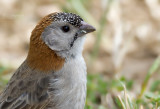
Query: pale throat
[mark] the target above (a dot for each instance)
(74, 51)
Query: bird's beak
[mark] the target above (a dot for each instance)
(85, 28)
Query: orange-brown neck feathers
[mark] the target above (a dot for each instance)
(40, 56)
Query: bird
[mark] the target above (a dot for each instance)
(54, 73)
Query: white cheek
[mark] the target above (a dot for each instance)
(56, 40)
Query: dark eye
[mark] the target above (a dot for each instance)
(65, 28)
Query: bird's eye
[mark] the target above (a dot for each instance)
(65, 28)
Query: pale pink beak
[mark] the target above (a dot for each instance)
(86, 28)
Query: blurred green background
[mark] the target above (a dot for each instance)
(122, 56)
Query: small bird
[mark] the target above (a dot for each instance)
(53, 76)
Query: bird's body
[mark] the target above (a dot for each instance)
(53, 76)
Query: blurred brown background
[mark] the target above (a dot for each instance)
(126, 43)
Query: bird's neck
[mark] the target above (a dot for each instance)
(41, 57)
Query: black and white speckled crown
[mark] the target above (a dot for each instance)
(71, 18)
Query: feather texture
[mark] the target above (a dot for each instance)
(53, 76)
(27, 86)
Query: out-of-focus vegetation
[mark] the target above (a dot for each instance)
(122, 56)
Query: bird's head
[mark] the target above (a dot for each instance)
(57, 36)
(63, 33)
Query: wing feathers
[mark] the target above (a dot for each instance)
(31, 89)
